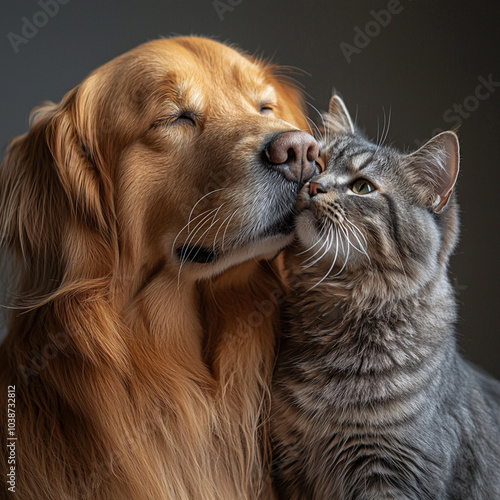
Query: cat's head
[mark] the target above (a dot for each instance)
(374, 209)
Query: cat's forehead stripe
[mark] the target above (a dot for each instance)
(347, 161)
(338, 152)
(361, 161)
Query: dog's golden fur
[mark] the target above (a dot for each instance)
(136, 379)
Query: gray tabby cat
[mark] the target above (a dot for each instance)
(371, 399)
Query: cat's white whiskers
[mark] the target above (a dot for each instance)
(343, 266)
(385, 131)
(317, 251)
(328, 244)
(381, 138)
(333, 262)
(319, 136)
(388, 125)
(362, 248)
(318, 241)
(357, 235)
(319, 113)
(345, 233)
(328, 131)
(356, 228)
(378, 131)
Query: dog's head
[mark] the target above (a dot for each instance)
(182, 153)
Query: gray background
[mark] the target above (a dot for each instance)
(424, 62)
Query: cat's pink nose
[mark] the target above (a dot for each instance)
(315, 188)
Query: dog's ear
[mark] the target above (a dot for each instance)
(77, 162)
(55, 204)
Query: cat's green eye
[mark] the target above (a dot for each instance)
(362, 187)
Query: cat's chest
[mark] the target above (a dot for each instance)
(364, 463)
(357, 370)
(332, 342)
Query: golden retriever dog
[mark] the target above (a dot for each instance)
(140, 218)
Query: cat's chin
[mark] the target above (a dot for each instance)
(307, 230)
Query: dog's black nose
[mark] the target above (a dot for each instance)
(293, 154)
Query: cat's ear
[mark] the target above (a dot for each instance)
(338, 119)
(434, 169)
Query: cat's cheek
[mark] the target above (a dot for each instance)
(306, 229)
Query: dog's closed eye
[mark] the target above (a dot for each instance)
(266, 108)
(185, 118)
(182, 118)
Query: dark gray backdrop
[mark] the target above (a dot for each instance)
(423, 66)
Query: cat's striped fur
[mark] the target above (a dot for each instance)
(371, 399)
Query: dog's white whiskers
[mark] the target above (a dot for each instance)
(186, 226)
(199, 201)
(192, 235)
(214, 246)
(227, 227)
(201, 238)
